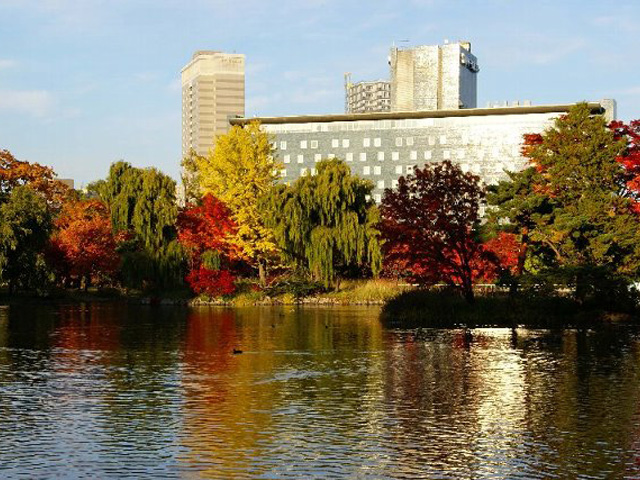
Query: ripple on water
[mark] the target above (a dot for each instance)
(155, 393)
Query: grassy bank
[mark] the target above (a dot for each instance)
(350, 292)
(429, 308)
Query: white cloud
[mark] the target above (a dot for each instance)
(37, 103)
(6, 63)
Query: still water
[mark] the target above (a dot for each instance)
(117, 391)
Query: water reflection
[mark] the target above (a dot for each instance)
(112, 391)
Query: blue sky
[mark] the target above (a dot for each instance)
(84, 83)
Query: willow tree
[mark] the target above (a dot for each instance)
(326, 222)
(239, 171)
(25, 225)
(143, 205)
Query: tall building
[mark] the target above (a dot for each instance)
(212, 91)
(363, 97)
(433, 77)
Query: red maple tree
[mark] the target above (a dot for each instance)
(83, 247)
(429, 224)
(630, 160)
(205, 229)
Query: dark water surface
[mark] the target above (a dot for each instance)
(113, 391)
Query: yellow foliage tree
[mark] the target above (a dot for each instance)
(239, 171)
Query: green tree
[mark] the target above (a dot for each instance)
(142, 203)
(325, 222)
(239, 171)
(567, 204)
(25, 226)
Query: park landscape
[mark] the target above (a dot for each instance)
(559, 239)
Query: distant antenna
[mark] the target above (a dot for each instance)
(347, 87)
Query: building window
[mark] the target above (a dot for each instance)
(395, 156)
(410, 169)
(413, 155)
(283, 145)
(399, 169)
(303, 172)
(377, 170)
(377, 142)
(300, 158)
(446, 154)
(314, 143)
(432, 140)
(350, 157)
(460, 153)
(287, 158)
(303, 144)
(317, 157)
(313, 171)
(331, 155)
(366, 142)
(427, 155)
(381, 184)
(283, 172)
(394, 183)
(345, 143)
(335, 143)
(363, 156)
(409, 141)
(366, 170)
(380, 156)
(443, 139)
(398, 141)
(377, 197)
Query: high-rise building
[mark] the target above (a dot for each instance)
(363, 97)
(433, 77)
(212, 91)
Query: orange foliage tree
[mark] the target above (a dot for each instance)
(15, 173)
(83, 249)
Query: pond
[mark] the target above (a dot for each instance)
(122, 391)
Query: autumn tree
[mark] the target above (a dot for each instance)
(629, 159)
(205, 232)
(568, 205)
(239, 171)
(430, 225)
(25, 225)
(41, 179)
(83, 247)
(326, 223)
(142, 203)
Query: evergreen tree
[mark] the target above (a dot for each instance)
(568, 204)
(325, 222)
(239, 171)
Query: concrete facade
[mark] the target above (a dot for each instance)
(382, 147)
(212, 91)
(363, 97)
(433, 77)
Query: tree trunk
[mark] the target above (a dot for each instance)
(522, 255)
(262, 273)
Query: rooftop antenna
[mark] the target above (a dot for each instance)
(347, 86)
